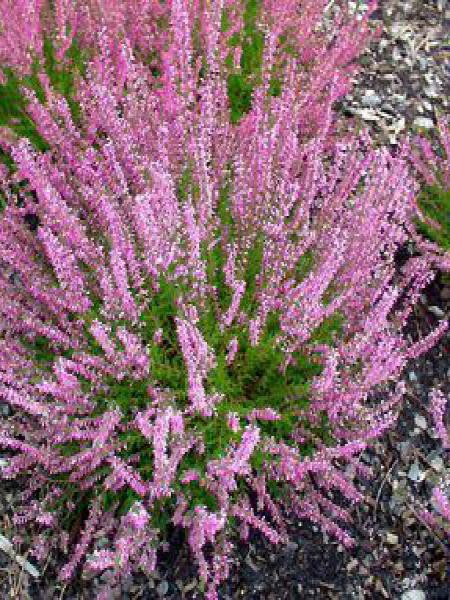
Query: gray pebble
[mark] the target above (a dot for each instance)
(163, 588)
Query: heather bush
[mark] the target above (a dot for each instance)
(201, 317)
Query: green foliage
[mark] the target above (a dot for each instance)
(434, 201)
(43, 352)
(196, 495)
(254, 379)
(215, 257)
(63, 77)
(251, 40)
(240, 96)
(13, 105)
(161, 515)
(128, 396)
(185, 184)
(253, 268)
(241, 84)
(13, 110)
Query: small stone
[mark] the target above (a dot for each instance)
(431, 92)
(370, 99)
(405, 449)
(423, 122)
(420, 422)
(291, 547)
(418, 551)
(353, 563)
(399, 568)
(437, 312)
(368, 114)
(437, 464)
(5, 410)
(413, 595)
(415, 474)
(392, 539)
(163, 588)
(190, 586)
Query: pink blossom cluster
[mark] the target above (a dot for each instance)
(425, 159)
(438, 408)
(113, 231)
(25, 24)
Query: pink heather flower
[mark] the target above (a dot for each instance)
(137, 517)
(24, 39)
(264, 414)
(199, 359)
(233, 422)
(101, 336)
(177, 424)
(442, 504)
(160, 434)
(438, 405)
(232, 349)
(204, 528)
(122, 474)
(190, 475)
(245, 513)
(429, 341)
(424, 159)
(83, 544)
(158, 336)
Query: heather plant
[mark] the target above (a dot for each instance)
(201, 318)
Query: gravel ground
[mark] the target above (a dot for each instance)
(403, 84)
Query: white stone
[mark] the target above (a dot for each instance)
(420, 422)
(162, 588)
(8, 548)
(368, 114)
(437, 464)
(413, 595)
(370, 99)
(415, 474)
(424, 122)
(392, 539)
